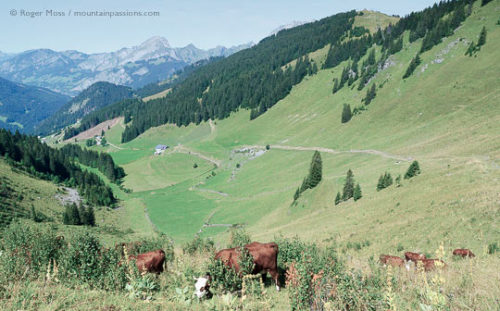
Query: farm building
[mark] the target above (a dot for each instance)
(160, 148)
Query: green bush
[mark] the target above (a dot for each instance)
(86, 261)
(28, 249)
(198, 245)
(318, 277)
(238, 237)
(493, 248)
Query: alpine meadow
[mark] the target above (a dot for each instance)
(362, 150)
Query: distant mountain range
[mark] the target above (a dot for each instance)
(70, 72)
(23, 106)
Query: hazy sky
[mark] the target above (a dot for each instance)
(201, 22)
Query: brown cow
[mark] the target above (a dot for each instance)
(150, 262)
(409, 256)
(431, 264)
(265, 259)
(463, 252)
(392, 260)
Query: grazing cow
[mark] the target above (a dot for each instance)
(149, 262)
(265, 259)
(393, 261)
(463, 252)
(431, 264)
(409, 256)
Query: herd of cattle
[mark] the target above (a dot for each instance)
(265, 260)
(417, 258)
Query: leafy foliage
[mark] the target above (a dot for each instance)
(198, 245)
(238, 237)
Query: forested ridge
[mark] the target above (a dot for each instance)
(95, 97)
(59, 165)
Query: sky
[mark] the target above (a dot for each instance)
(33, 24)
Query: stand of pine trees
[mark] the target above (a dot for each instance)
(384, 181)
(473, 48)
(413, 170)
(350, 190)
(313, 178)
(100, 160)
(432, 24)
(31, 155)
(74, 215)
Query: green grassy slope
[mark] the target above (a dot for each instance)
(25, 191)
(445, 116)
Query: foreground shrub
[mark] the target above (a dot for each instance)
(198, 245)
(27, 249)
(318, 280)
(86, 261)
(238, 237)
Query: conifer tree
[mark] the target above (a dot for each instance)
(315, 170)
(296, 195)
(90, 216)
(413, 65)
(398, 181)
(413, 170)
(67, 215)
(335, 85)
(346, 113)
(74, 215)
(387, 180)
(380, 183)
(348, 186)
(482, 37)
(370, 94)
(305, 185)
(357, 193)
(337, 198)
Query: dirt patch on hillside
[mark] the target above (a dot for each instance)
(96, 130)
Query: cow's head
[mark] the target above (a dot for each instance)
(202, 286)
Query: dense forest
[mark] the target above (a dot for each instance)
(23, 107)
(28, 153)
(95, 97)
